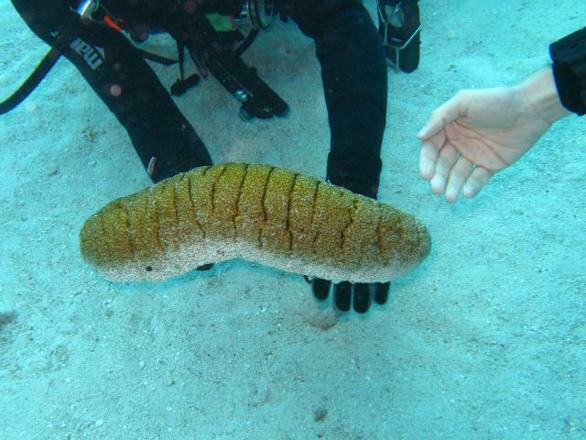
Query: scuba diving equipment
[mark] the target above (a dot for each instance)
(220, 55)
(37, 75)
(31, 83)
(214, 54)
(400, 30)
(256, 14)
(86, 8)
(569, 68)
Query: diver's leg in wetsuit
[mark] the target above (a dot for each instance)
(354, 75)
(165, 141)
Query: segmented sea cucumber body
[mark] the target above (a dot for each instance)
(256, 212)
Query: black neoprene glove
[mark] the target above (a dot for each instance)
(359, 296)
(346, 294)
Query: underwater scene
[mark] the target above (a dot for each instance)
(294, 219)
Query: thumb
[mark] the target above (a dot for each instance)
(443, 115)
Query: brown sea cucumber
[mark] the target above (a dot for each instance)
(260, 213)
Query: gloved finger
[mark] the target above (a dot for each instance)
(443, 115)
(476, 181)
(458, 175)
(381, 293)
(446, 158)
(205, 267)
(361, 297)
(343, 296)
(321, 288)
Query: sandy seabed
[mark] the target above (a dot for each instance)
(487, 339)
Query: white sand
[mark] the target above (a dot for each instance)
(486, 340)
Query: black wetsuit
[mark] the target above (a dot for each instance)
(354, 74)
(569, 70)
(348, 48)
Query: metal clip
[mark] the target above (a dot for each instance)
(395, 18)
(87, 7)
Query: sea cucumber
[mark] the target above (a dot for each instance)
(256, 212)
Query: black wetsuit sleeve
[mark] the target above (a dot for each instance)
(569, 70)
(354, 76)
(163, 138)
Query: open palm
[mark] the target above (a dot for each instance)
(474, 135)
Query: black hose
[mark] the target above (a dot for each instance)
(31, 82)
(246, 43)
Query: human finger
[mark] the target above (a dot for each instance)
(459, 172)
(427, 159)
(445, 160)
(443, 115)
(476, 181)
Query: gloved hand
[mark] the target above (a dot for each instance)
(359, 295)
(346, 294)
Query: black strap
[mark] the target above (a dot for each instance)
(258, 99)
(156, 58)
(226, 65)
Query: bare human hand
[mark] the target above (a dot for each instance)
(480, 132)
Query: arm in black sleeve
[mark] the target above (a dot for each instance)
(569, 70)
(165, 141)
(354, 76)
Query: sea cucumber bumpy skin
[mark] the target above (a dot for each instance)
(256, 212)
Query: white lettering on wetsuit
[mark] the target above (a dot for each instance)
(93, 56)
